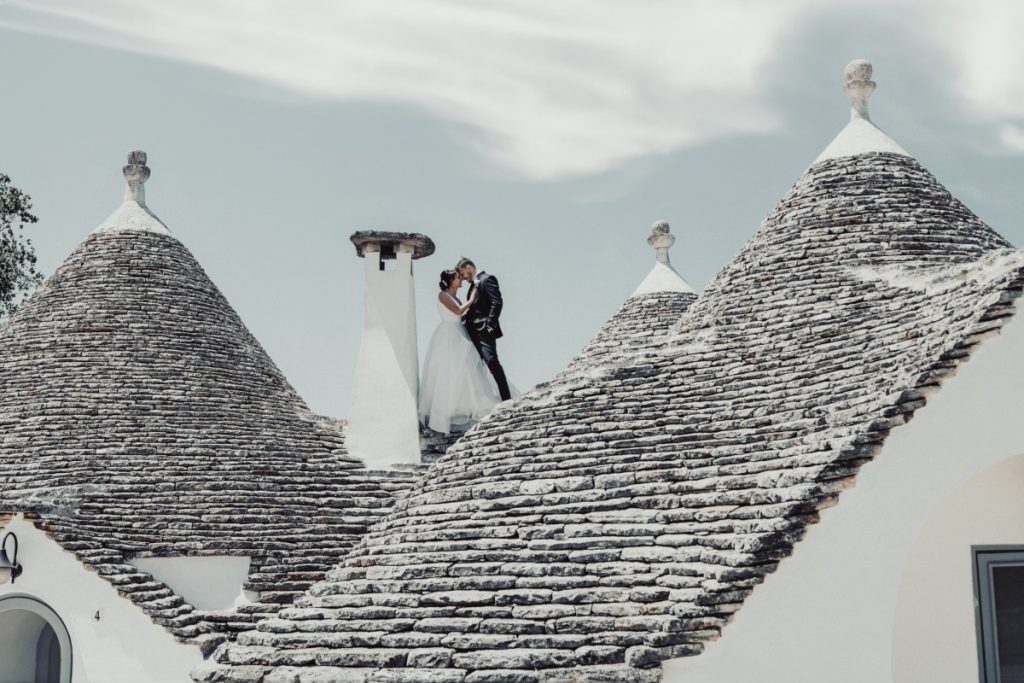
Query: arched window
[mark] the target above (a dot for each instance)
(34, 643)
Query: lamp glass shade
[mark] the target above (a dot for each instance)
(5, 575)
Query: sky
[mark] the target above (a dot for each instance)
(540, 139)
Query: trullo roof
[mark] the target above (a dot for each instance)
(140, 417)
(606, 522)
(646, 318)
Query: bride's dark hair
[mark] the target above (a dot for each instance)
(447, 277)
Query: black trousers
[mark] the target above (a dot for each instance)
(487, 346)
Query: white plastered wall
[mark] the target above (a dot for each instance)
(935, 606)
(853, 586)
(124, 645)
(207, 582)
(383, 427)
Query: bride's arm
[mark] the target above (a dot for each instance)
(465, 307)
(450, 304)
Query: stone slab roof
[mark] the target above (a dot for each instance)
(138, 416)
(645, 319)
(607, 521)
(641, 324)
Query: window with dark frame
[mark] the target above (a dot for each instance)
(999, 612)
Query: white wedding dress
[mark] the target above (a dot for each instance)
(456, 389)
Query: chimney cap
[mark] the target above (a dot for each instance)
(389, 243)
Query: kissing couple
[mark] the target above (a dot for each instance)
(462, 376)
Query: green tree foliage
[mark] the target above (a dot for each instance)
(18, 274)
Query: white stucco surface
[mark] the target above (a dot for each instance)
(132, 216)
(854, 587)
(124, 645)
(859, 137)
(383, 427)
(663, 278)
(935, 604)
(206, 582)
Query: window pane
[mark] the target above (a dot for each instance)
(1008, 586)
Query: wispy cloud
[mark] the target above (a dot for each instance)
(1012, 137)
(983, 63)
(986, 52)
(554, 88)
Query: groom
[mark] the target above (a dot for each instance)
(481, 320)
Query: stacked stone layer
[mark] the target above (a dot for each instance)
(138, 416)
(640, 325)
(609, 520)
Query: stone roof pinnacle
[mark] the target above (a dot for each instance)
(661, 240)
(663, 278)
(858, 87)
(136, 173)
(133, 214)
(861, 135)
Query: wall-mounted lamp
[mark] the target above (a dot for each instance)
(9, 569)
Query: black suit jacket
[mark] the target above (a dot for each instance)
(485, 311)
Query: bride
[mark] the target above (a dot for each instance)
(456, 389)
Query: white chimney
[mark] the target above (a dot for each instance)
(383, 426)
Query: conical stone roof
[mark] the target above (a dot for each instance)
(138, 416)
(643, 322)
(603, 523)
